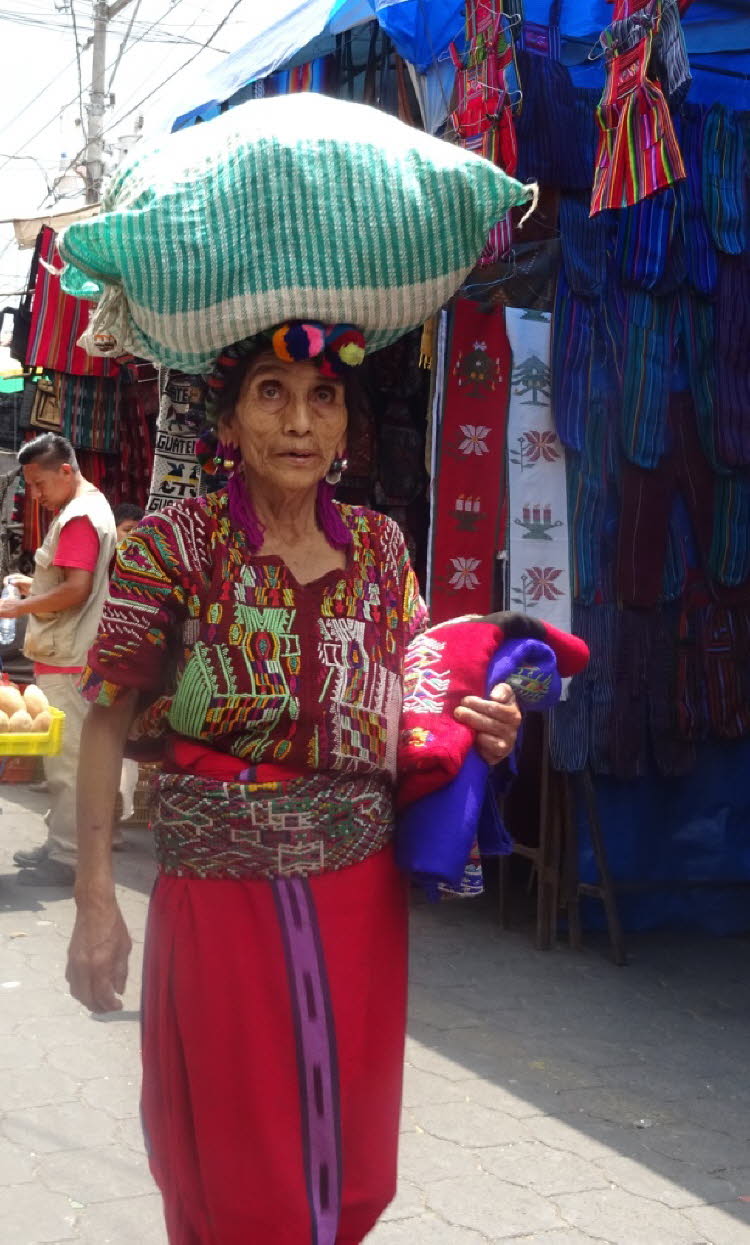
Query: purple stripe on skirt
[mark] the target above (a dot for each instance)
(317, 1062)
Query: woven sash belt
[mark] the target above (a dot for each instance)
(208, 829)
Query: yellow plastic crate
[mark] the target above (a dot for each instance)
(35, 743)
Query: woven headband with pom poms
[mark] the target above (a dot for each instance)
(334, 347)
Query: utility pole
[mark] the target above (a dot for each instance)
(103, 14)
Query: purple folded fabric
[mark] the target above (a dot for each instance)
(435, 834)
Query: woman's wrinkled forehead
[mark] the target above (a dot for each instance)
(268, 363)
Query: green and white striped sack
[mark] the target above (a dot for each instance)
(299, 206)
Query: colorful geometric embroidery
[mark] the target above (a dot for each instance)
(530, 682)
(425, 687)
(416, 737)
(223, 640)
(204, 828)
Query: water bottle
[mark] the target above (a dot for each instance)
(8, 625)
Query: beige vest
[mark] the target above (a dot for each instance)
(64, 638)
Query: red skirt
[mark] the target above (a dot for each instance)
(274, 1016)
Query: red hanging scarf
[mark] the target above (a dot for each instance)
(57, 322)
(469, 487)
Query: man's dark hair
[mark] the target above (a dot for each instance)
(50, 450)
(127, 510)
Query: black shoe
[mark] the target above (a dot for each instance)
(32, 856)
(48, 873)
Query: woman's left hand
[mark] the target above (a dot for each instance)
(496, 722)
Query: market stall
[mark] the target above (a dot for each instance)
(586, 428)
(570, 438)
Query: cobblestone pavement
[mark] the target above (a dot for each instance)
(550, 1098)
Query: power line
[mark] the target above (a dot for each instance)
(59, 23)
(34, 160)
(36, 99)
(78, 66)
(179, 70)
(56, 116)
(7, 247)
(123, 44)
(119, 120)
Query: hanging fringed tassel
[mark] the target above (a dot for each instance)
(427, 344)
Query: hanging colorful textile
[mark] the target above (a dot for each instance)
(714, 672)
(649, 248)
(35, 524)
(648, 356)
(140, 405)
(671, 65)
(572, 341)
(541, 39)
(556, 139)
(57, 321)
(580, 725)
(556, 131)
(698, 244)
(695, 328)
(585, 241)
(590, 474)
(638, 152)
(723, 179)
(315, 75)
(468, 480)
(176, 473)
(487, 90)
(647, 499)
(90, 412)
(538, 567)
(732, 328)
(730, 551)
(105, 471)
(644, 723)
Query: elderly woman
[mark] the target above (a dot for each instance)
(274, 994)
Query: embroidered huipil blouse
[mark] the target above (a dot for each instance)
(232, 653)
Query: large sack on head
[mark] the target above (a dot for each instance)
(299, 206)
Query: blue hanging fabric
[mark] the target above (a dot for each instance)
(700, 252)
(421, 32)
(649, 246)
(723, 155)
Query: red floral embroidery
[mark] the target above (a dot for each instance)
(541, 445)
(542, 580)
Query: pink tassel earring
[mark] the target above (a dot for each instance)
(243, 514)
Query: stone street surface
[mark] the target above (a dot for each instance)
(550, 1098)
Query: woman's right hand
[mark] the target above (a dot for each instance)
(98, 955)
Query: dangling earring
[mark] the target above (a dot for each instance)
(336, 470)
(226, 457)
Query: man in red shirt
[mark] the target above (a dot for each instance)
(63, 601)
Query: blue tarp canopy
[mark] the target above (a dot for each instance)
(717, 34)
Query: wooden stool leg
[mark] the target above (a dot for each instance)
(609, 898)
(543, 897)
(556, 835)
(572, 897)
(504, 885)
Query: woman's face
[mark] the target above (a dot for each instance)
(289, 423)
